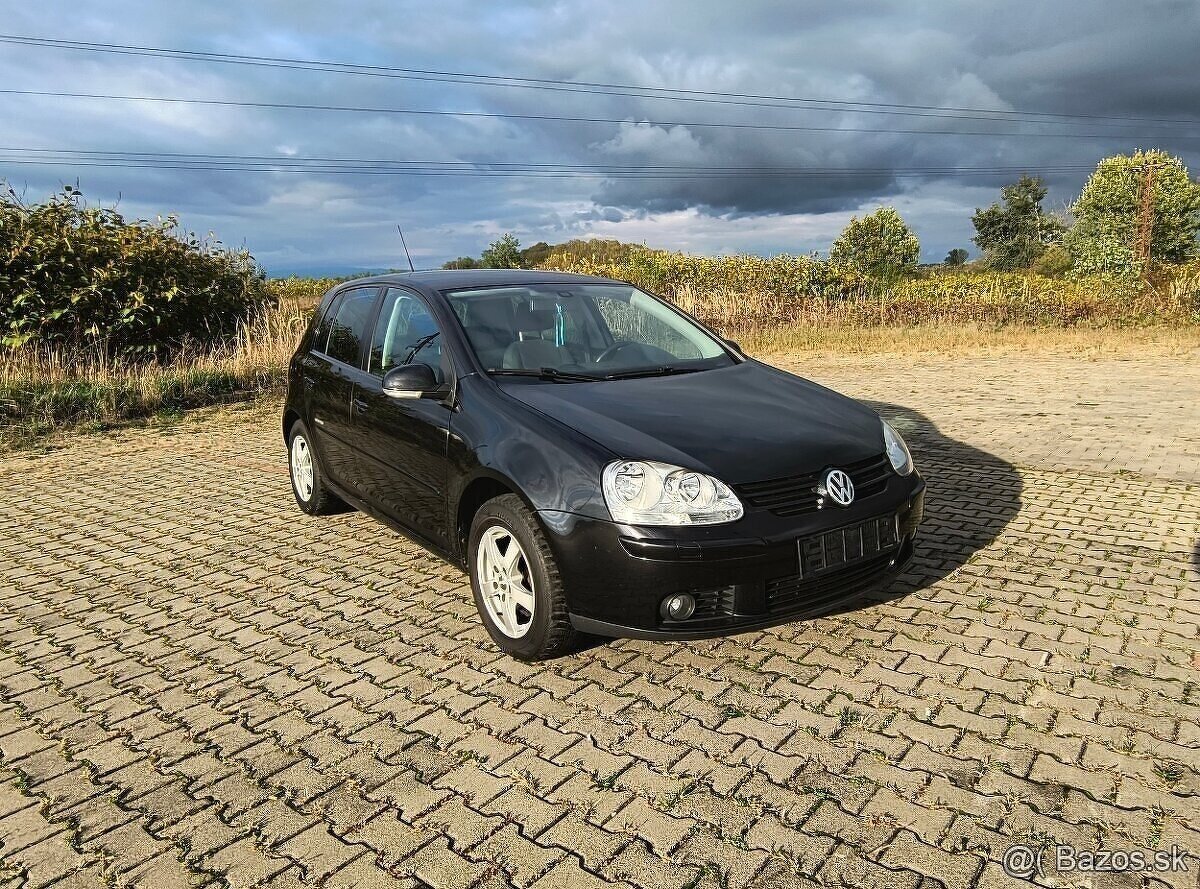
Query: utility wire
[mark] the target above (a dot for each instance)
(570, 86)
(362, 166)
(276, 158)
(303, 106)
(214, 168)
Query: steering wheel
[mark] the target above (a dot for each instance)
(614, 349)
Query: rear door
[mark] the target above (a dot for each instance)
(334, 365)
(405, 440)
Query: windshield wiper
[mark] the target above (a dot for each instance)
(545, 373)
(664, 371)
(419, 345)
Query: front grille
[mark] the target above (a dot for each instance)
(802, 594)
(797, 494)
(713, 603)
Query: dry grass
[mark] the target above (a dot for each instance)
(45, 390)
(958, 339)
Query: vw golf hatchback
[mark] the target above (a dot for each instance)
(594, 458)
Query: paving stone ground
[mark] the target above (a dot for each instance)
(199, 685)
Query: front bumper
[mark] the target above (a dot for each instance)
(745, 576)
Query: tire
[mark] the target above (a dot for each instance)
(547, 631)
(320, 500)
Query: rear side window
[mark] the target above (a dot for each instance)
(351, 317)
(321, 338)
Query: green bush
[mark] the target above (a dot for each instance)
(1108, 214)
(1054, 262)
(85, 277)
(880, 245)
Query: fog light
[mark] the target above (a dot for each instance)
(678, 607)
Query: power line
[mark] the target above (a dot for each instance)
(520, 164)
(600, 88)
(367, 166)
(304, 106)
(498, 174)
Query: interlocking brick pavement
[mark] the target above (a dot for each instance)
(199, 685)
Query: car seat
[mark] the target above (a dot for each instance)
(531, 350)
(489, 326)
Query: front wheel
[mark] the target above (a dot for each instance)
(516, 582)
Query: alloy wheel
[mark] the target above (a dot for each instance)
(505, 581)
(302, 468)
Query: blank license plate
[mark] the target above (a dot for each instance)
(833, 549)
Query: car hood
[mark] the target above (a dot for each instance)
(743, 423)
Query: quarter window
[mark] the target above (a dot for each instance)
(351, 317)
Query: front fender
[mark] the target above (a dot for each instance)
(550, 465)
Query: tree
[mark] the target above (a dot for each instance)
(531, 257)
(502, 254)
(1108, 214)
(957, 256)
(880, 245)
(1015, 234)
(463, 262)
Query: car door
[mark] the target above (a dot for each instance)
(331, 368)
(405, 440)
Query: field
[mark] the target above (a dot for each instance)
(770, 306)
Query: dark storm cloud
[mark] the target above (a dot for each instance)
(1092, 58)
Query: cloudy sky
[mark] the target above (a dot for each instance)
(720, 173)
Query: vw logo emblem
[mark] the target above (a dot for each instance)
(837, 486)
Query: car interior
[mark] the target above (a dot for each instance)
(517, 330)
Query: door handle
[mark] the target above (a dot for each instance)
(360, 405)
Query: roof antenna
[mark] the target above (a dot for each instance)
(405, 243)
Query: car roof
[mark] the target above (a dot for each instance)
(453, 279)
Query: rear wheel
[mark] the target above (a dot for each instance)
(308, 483)
(516, 582)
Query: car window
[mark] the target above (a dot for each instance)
(351, 317)
(590, 328)
(494, 319)
(639, 319)
(321, 337)
(405, 332)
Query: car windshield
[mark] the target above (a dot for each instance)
(581, 331)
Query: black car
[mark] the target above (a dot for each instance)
(596, 459)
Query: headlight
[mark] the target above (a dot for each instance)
(897, 450)
(643, 492)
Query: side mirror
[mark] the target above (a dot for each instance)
(731, 344)
(410, 381)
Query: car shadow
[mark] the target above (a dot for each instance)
(970, 498)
